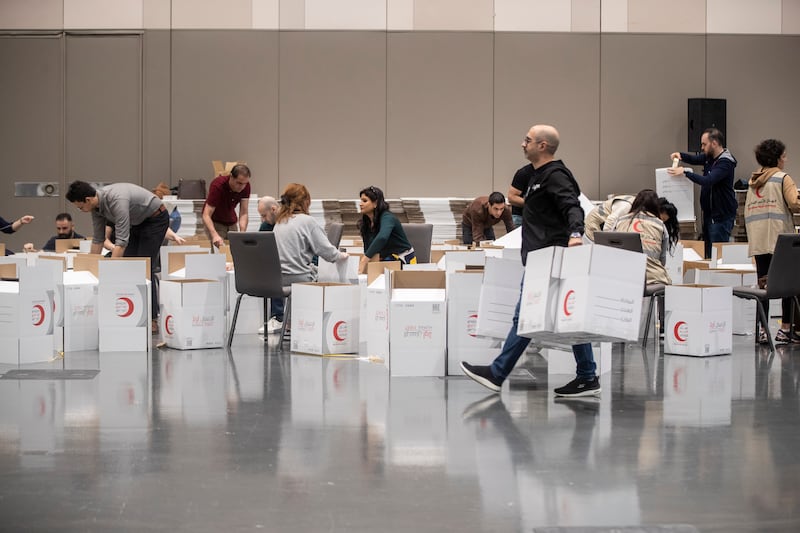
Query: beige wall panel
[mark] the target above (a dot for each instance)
(293, 14)
(399, 14)
(439, 140)
(31, 133)
(645, 82)
(345, 15)
(757, 109)
(790, 17)
(103, 97)
(532, 15)
(476, 15)
(31, 14)
(568, 98)
(614, 16)
(743, 16)
(156, 108)
(676, 16)
(266, 14)
(333, 111)
(156, 14)
(102, 14)
(225, 103)
(586, 15)
(212, 14)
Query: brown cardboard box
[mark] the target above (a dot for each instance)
(87, 262)
(221, 169)
(376, 268)
(65, 245)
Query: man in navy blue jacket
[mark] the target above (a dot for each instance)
(717, 199)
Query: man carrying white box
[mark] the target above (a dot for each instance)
(552, 216)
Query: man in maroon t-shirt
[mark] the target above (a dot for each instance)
(224, 194)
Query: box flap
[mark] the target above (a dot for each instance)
(87, 262)
(8, 271)
(63, 245)
(418, 279)
(63, 260)
(376, 268)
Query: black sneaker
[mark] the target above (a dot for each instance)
(787, 337)
(579, 387)
(483, 375)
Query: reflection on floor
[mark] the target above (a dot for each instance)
(256, 438)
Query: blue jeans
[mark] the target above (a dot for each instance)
(466, 233)
(515, 345)
(276, 308)
(517, 220)
(716, 231)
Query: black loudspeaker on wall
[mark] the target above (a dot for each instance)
(705, 113)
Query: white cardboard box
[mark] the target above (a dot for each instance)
(345, 271)
(80, 324)
(698, 320)
(124, 306)
(26, 317)
(463, 344)
(192, 313)
(417, 324)
(600, 294)
(325, 318)
(744, 311)
(500, 293)
(537, 312)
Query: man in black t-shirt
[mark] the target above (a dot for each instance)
(516, 193)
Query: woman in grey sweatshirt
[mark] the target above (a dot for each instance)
(300, 238)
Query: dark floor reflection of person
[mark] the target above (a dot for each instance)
(261, 419)
(493, 409)
(773, 486)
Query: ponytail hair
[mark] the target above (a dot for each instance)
(295, 199)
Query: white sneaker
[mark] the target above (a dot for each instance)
(261, 330)
(274, 325)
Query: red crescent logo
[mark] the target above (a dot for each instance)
(566, 300)
(637, 226)
(758, 192)
(168, 325)
(40, 320)
(129, 303)
(471, 321)
(336, 327)
(676, 330)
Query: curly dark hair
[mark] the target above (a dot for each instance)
(367, 227)
(769, 152)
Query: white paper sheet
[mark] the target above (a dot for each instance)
(679, 191)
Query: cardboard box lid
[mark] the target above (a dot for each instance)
(177, 260)
(698, 297)
(376, 268)
(124, 269)
(63, 245)
(87, 262)
(9, 271)
(418, 279)
(62, 260)
(221, 169)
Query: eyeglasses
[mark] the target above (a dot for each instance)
(527, 140)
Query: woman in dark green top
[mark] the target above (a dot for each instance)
(384, 238)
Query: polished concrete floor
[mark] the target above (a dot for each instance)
(257, 439)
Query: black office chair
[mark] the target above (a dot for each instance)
(782, 281)
(258, 272)
(334, 232)
(631, 241)
(420, 236)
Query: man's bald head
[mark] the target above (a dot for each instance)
(268, 209)
(548, 134)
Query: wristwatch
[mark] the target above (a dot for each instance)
(575, 235)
